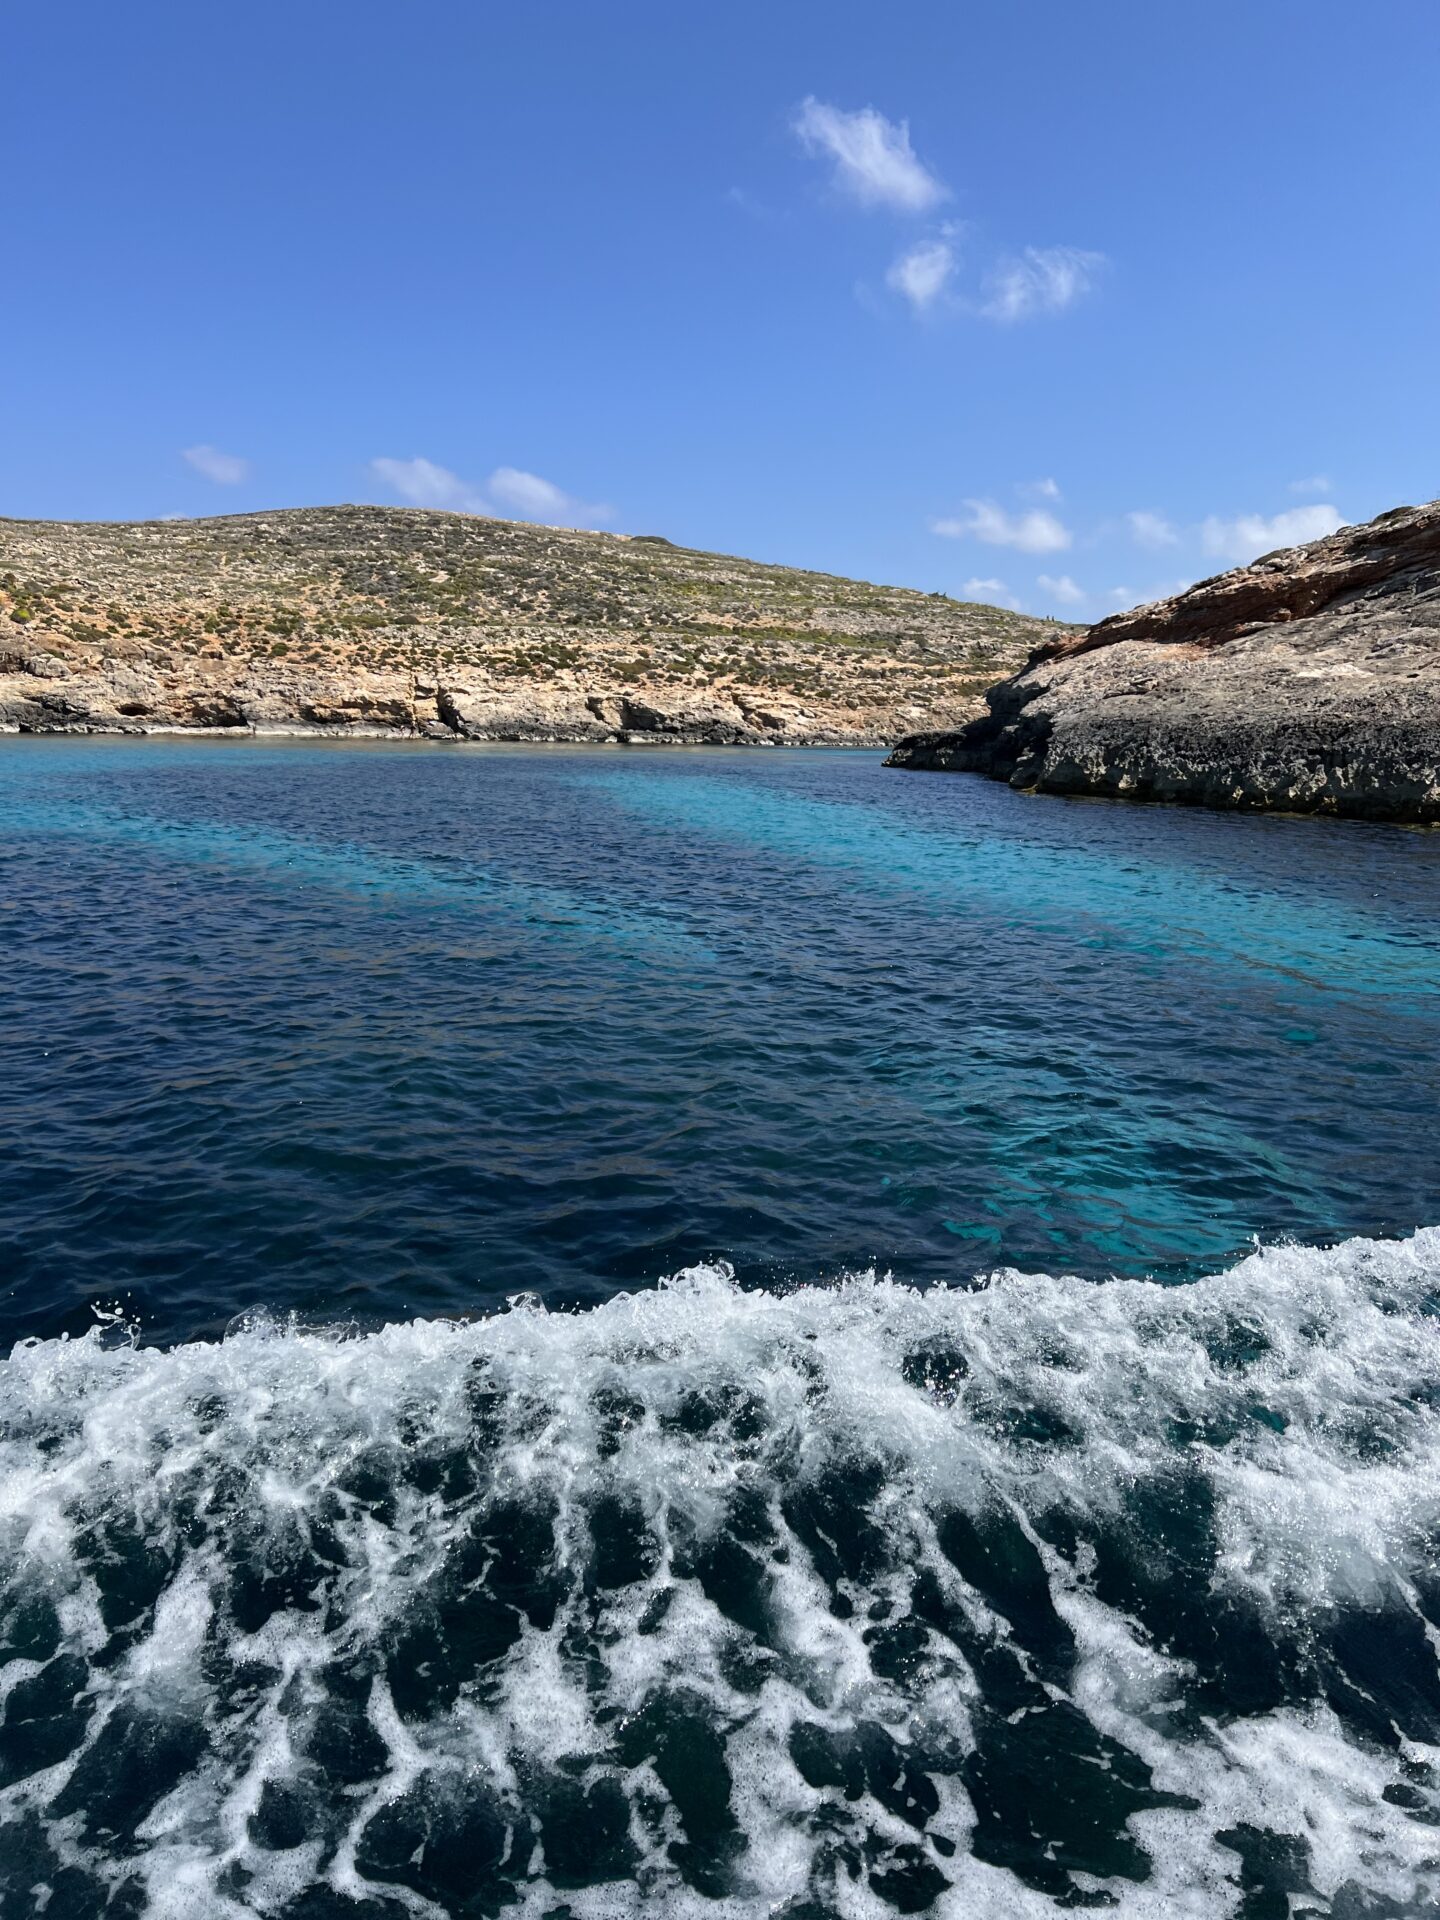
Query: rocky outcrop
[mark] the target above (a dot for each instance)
(49, 696)
(1308, 681)
(395, 621)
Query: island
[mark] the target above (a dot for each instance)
(409, 622)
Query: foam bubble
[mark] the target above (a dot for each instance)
(851, 1600)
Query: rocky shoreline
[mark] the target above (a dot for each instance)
(1307, 682)
(377, 708)
(412, 624)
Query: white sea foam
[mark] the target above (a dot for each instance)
(714, 1600)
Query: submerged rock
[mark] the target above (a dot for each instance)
(1308, 681)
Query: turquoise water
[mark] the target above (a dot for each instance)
(378, 1029)
(593, 1333)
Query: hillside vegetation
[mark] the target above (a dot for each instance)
(413, 621)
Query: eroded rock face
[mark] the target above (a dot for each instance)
(1308, 681)
(248, 699)
(559, 711)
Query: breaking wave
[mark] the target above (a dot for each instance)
(987, 1601)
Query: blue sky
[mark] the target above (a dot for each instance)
(1074, 300)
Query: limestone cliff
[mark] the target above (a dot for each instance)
(409, 622)
(1308, 681)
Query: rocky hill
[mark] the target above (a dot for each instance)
(1308, 681)
(411, 622)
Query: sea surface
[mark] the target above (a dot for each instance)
(587, 1333)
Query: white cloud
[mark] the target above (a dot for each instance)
(535, 499)
(1317, 483)
(1062, 589)
(1033, 532)
(1126, 598)
(874, 161)
(424, 484)
(989, 590)
(1040, 280)
(225, 469)
(1252, 534)
(525, 495)
(1151, 530)
(1046, 489)
(527, 492)
(921, 274)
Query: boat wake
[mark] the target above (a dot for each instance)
(847, 1601)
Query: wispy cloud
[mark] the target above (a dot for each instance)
(873, 158)
(1061, 588)
(922, 274)
(532, 498)
(1126, 597)
(1317, 483)
(1039, 280)
(424, 484)
(1252, 534)
(1151, 530)
(990, 590)
(225, 469)
(748, 203)
(1034, 532)
(508, 491)
(874, 163)
(1046, 489)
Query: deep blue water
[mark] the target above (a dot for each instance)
(348, 1573)
(382, 1030)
